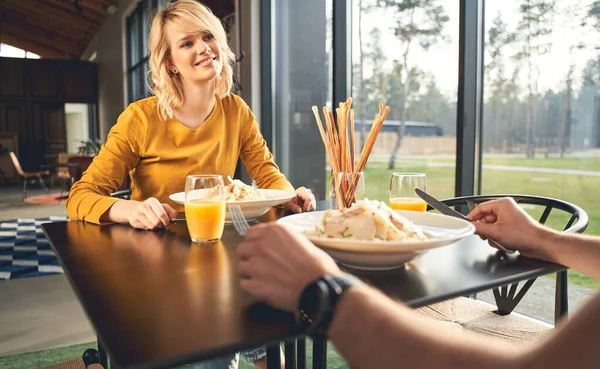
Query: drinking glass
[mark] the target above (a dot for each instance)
(402, 191)
(205, 216)
(343, 184)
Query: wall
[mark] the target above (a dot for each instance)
(33, 93)
(107, 46)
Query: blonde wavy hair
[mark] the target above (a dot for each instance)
(191, 17)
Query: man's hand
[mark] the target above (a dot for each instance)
(278, 263)
(507, 223)
(304, 201)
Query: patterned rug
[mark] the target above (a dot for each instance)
(24, 250)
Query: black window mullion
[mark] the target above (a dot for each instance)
(342, 51)
(267, 53)
(470, 98)
(129, 61)
(136, 77)
(140, 41)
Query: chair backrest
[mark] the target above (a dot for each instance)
(63, 171)
(16, 163)
(577, 222)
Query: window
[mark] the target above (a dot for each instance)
(404, 71)
(541, 122)
(9, 51)
(542, 111)
(302, 58)
(138, 29)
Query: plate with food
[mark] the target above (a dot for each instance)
(253, 201)
(370, 235)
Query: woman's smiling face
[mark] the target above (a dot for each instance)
(196, 57)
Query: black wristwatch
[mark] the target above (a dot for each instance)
(318, 300)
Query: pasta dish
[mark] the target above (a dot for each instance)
(237, 190)
(369, 220)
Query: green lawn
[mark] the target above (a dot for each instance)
(577, 189)
(583, 163)
(589, 163)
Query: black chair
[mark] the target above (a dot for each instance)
(479, 317)
(507, 299)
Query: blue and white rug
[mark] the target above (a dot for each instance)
(24, 250)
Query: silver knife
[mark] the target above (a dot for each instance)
(445, 209)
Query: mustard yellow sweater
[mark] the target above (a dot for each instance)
(159, 154)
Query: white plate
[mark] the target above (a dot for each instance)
(382, 255)
(251, 209)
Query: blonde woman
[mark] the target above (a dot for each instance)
(192, 124)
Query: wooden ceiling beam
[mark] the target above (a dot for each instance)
(39, 19)
(31, 32)
(35, 47)
(87, 13)
(42, 11)
(99, 6)
(48, 24)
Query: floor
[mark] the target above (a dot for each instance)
(12, 207)
(41, 313)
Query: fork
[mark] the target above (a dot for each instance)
(238, 219)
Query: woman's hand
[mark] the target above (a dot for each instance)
(149, 214)
(304, 201)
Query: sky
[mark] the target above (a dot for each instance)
(442, 59)
(13, 52)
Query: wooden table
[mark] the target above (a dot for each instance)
(156, 300)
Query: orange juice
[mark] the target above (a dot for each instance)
(408, 203)
(205, 219)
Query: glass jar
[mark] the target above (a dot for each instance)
(350, 187)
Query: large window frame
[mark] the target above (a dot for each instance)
(137, 30)
(470, 86)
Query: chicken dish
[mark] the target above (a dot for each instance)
(369, 220)
(237, 190)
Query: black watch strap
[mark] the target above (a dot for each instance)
(331, 288)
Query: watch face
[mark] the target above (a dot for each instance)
(311, 304)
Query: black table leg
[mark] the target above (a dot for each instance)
(103, 356)
(561, 297)
(273, 357)
(95, 356)
(301, 357)
(319, 352)
(290, 355)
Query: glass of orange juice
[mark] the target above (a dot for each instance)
(402, 191)
(205, 207)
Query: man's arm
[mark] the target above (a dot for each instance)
(576, 251)
(372, 331)
(504, 221)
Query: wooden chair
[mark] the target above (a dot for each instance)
(29, 176)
